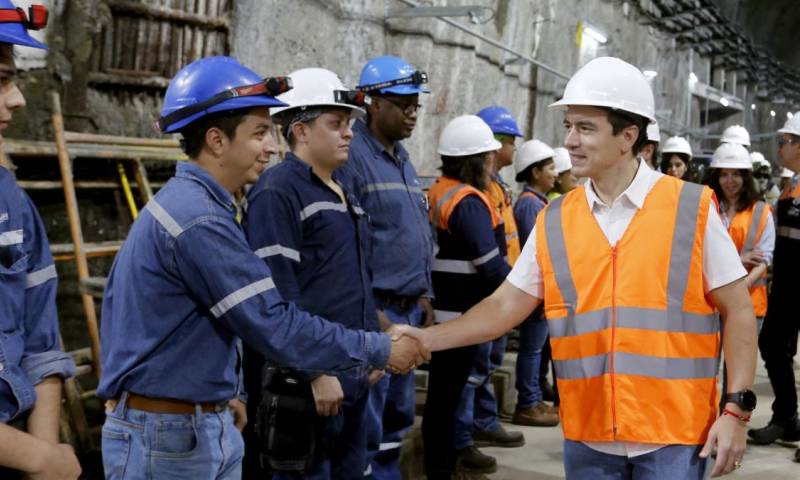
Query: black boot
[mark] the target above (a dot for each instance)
(472, 460)
(787, 431)
(498, 437)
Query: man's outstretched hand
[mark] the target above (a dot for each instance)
(407, 351)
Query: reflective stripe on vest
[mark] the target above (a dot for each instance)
(755, 224)
(746, 229)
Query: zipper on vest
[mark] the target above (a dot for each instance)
(613, 335)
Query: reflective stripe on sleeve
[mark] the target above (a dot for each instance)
(277, 249)
(41, 276)
(241, 295)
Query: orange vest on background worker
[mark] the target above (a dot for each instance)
(746, 229)
(502, 202)
(635, 340)
(446, 193)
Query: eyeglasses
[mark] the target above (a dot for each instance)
(784, 141)
(407, 108)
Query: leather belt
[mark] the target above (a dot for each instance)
(403, 302)
(166, 405)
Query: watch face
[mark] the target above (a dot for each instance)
(748, 400)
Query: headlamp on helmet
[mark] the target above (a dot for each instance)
(35, 19)
(417, 78)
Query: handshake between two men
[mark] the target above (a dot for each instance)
(408, 352)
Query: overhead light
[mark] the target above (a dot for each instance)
(772, 113)
(789, 115)
(752, 106)
(650, 73)
(724, 101)
(693, 78)
(594, 34)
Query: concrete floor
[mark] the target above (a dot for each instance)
(541, 459)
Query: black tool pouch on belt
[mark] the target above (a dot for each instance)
(287, 424)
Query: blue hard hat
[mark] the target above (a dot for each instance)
(15, 23)
(389, 68)
(500, 121)
(199, 85)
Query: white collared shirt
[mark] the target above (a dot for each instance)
(721, 262)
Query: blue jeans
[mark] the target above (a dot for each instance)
(345, 439)
(391, 410)
(203, 446)
(670, 462)
(477, 409)
(532, 337)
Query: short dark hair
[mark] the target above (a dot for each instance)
(749, 193)
(621, 120)
(469, 169)
(526, 175)
(194, 134)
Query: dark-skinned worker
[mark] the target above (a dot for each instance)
(381, 175)
(632, 268)
(32, 365)
(186, 287)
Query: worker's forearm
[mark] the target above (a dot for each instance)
(21, 451)
(43, 422)
(739, 343)
(504, 309)
(756, 273)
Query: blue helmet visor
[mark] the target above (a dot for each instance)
(269, 88)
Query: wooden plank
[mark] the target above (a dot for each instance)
(111, 246)
(75, 137)
(165, 13)
(28, 148)
(99, 78)
(142, 182)
(56, 184)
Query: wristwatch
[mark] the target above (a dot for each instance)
(745, 399)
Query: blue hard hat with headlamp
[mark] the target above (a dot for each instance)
(500, 121)
(391, 75)
(15, 23)
(216, 84)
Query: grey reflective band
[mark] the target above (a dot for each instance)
(755, 222)
(761, 282)
(447, 196)
(485, 258)
(317, 207)
(640, 365)
(464, 267)
(384, 186)
(443, 316)
(277, 249)
(13, 237)
(682, 246)
(239, 296)
(635, 318)
(164, 218)
(557, 248)
(789, 232)
(34, 279)
(512, 236)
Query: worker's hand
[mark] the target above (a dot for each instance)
(727, 436)
(428, 316)
(407, 353)
(328, 395)
(398, 331)
(752, 259)
(383, 321)
(239, 411)
(375, 376)
(59, 463)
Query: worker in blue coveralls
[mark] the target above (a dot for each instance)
(186, 286)
(313, 235)
(383, 178)
(32, 365)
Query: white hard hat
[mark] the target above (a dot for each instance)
(677, 145)
(467, 135)
(318, 87)
(613, 83)
(786, 173)
(736, 134)
(792, 125)
(563, 162)
(531, 152)
(731, 155)
(653, 133)
(757, 158)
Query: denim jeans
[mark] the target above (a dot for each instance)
(670, 462)
(144, 445)
(391, 409)
(532, 337)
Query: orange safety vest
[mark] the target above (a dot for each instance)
(635, 341)
(746, 229)
(503, 205)
(446, 193)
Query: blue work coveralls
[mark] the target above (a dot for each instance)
(184, 288)
(316, 247)
(401, 252)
